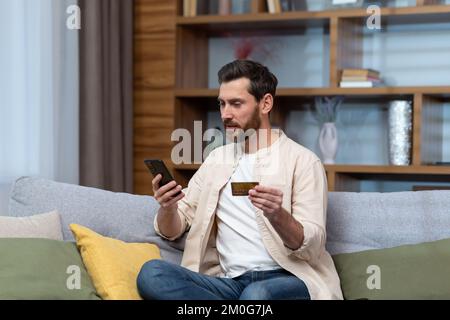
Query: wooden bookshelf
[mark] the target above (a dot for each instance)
(187, 167)
(191, 96)
(370, 169)
(414, 14)
(346, 177)
(344, 26)
(413, 169)
(294, 92)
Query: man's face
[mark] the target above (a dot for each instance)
(238, 108)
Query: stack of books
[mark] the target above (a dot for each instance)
(192, 8)
(360, 78)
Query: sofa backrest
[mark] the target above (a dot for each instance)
(355, 222)
(118, 215)
(362, 221)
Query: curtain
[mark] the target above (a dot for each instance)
(38, 91)
(106, 94)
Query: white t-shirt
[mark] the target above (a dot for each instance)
(238, 241)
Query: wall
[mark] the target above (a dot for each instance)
(300, 60)
(154, 79)
(410, 55)
(446, 134)
(4, 198)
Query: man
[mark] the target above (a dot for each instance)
(267, 245)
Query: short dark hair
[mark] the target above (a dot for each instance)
(262, 81)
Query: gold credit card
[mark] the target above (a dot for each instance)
(242, 188)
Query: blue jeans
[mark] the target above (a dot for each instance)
(161, 280)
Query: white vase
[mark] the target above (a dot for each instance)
(328, 142)
(400, 128)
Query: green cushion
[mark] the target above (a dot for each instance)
(420, 271)
(38, 269)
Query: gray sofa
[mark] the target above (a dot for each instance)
(118, 215)
(356, 221)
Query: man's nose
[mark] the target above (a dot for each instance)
(226, 112)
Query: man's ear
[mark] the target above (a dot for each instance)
(267, 103)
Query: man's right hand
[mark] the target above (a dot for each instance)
(165, 195)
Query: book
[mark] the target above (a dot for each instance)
(186, 8)
(277, 6)
(298, 5)
(285, 5)
(193, 8)
(338, 2)
(213, 7)
(203, 7)
(274, 6)
(271, 6)
(359, 84)
(429, 188)
(224, 7)
(359, 78)
(240, 7)
(360, 72)
(441, 163)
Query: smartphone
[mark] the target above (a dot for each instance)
(157, 166)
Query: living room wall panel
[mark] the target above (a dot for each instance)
(154, 81)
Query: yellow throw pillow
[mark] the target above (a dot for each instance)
(113, 264)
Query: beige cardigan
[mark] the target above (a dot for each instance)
(285, 165)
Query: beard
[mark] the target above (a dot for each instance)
(252, 125)
(254, 122)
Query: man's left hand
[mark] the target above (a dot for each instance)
(268, 199)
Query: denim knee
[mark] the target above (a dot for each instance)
(149, 277)
(256, 291)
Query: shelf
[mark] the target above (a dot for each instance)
(317, 46)
(433, 170)
(371, 169)
(430, 13)
(292, 92)
(186, 167)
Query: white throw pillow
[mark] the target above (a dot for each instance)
(46, 225)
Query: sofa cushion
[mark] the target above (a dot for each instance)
(113, 264)
(43, 269)
(46, 225)
(117, 215)
(363, 221)
(419, 271)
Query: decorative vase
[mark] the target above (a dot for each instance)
(328, 142)
(400, 127)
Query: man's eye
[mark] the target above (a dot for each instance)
(237, 104)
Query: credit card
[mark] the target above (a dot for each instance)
(242, 188)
